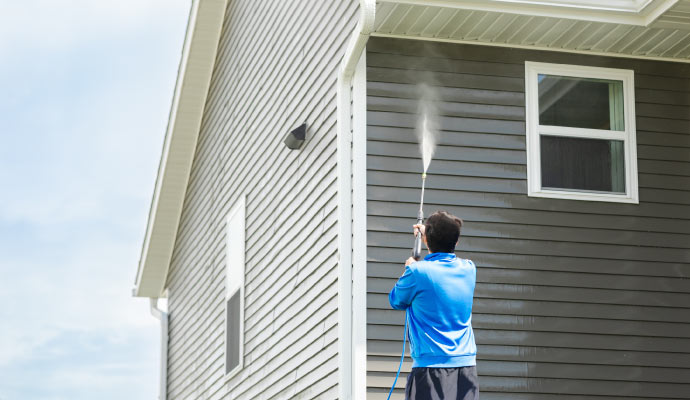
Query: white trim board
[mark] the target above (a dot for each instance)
(633, 6)
(344, 154)
(534, 130)
(641, 14)
(359, 229)
(348, 66)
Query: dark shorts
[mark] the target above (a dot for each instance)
(442, 384)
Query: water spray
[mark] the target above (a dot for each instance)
(426, 133)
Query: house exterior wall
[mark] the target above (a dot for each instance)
(276, 68)
(575, 298)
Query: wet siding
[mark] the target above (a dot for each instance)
(276, 68)
(574, 299)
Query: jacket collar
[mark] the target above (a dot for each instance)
(440, 257)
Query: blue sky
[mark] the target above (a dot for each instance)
(87, 87)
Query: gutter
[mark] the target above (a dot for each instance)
(356, 45)
(162, 316)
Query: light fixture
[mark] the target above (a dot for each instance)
(296, 137)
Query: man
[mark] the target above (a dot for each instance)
(437, 293)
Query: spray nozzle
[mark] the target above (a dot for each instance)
(417, 249)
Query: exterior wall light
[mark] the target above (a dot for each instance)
(296, 137)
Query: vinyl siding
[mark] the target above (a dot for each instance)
(276, 68)
(574, 299)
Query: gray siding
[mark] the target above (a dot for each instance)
(276, 68)
(574, 299)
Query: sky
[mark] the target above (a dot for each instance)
(87, 87)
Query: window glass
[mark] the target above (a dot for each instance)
(569, 163)
(581, 102)
(232, 332)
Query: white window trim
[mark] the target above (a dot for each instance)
(532, 69)
(236, 217)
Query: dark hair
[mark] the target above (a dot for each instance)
(442, 232)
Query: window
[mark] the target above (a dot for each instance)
(234, 289)
(580, 133)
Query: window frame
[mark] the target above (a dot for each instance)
(235, 229)
(534, 130)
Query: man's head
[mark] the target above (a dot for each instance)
(442, 232)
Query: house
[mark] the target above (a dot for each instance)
(564, 145)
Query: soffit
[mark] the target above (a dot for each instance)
(623, 33)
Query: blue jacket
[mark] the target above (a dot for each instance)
(437, 293)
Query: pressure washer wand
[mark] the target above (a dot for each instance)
(417, 249)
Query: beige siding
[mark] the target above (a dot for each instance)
(276, 68)
(574, 299)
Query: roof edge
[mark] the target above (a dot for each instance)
(189, 98)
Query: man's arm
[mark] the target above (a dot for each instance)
(404, 290)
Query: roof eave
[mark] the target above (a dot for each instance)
(191, 89)
(660, 31)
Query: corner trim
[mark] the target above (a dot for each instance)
(355, 47)
(359, 228)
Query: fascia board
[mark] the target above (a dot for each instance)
(191, 89)
(643, 17)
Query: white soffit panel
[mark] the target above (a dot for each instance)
(668, 37)
(632, 12)
(677, 17)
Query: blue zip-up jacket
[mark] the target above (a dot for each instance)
(437, 293)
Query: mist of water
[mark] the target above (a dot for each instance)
(427, 124)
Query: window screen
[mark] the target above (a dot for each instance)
(582, 164)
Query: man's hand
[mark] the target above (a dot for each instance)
(418, 228)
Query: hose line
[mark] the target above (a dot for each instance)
(402, 357)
